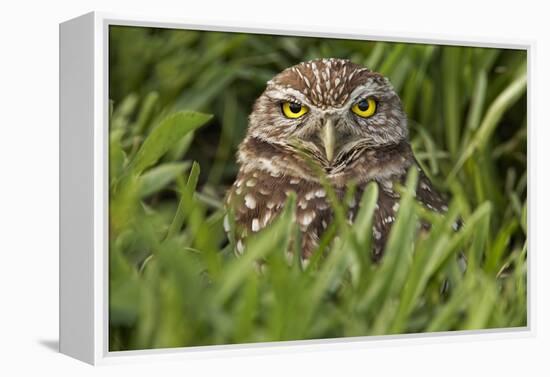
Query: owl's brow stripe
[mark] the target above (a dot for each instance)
(282, 93)
(285, 93)
(370, 88)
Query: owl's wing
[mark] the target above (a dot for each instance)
(255, 199)
(427, 194)
(431, 198)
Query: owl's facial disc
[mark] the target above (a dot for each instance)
(330, 108)
(324, 134)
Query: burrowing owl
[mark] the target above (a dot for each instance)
(346, 119)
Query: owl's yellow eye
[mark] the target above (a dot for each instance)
(364, 108)
(294, 110)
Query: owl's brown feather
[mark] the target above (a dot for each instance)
(276, 156)
(260, 191)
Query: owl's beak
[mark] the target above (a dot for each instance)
(327, 136)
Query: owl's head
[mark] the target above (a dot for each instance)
(330, 108)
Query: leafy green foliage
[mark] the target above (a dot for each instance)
(174, 280)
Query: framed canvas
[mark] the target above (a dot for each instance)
(244, 189)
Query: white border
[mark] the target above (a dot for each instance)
(101, 353)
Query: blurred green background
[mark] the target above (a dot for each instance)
(179, 107)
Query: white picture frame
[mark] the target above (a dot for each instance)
(84, 193)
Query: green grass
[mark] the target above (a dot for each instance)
(180, 100)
